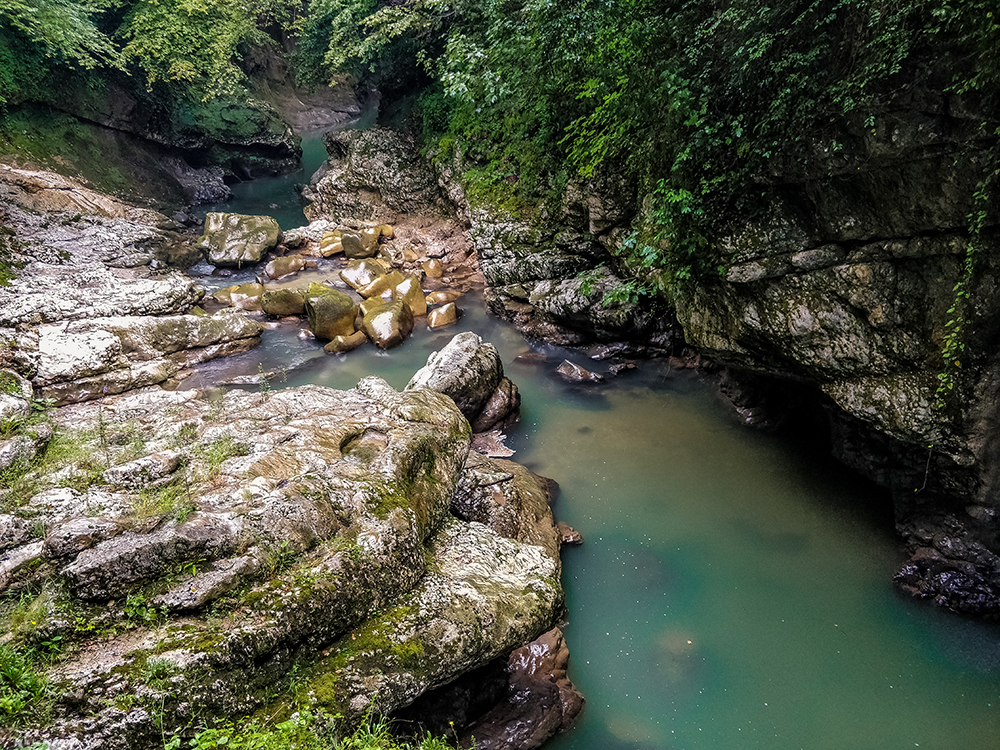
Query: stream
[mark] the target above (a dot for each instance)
(734, 589)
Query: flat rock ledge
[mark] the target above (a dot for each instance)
(193, 556)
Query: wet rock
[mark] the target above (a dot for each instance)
(442, 316)
(501, 409)
(242, 296)
(442, 297)
(408, 289)
(433, 268)
(573, 373)
(361, 273)
(568, 535)
(356, 246)
(617, 368)
(541, 700)
(330, 244)
(279, 268)
(383, 286)
(201, 185)
(466, 369)
(236, 239)
(282, 302)
(331, 314)
(491, 443)
(341, 344)
(388, 325)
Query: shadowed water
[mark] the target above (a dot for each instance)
(734, 590)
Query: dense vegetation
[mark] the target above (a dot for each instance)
(691, 101)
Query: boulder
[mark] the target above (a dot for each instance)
(279, 268)
(408, 289)
(242, 296)
(281, 302)
(443, 316)
(383, 286)
(573, 373)
(500, 409)
(433, 268)
(238, 239)
(360, 273)
(388, 325)
(331, 313)
(341, 344)
(541, 700)
(355, 247)
(330, 244)
(466, 369)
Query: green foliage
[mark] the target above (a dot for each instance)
(24, 693)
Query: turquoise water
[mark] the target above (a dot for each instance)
(734, 590)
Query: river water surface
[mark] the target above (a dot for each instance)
(734, 589)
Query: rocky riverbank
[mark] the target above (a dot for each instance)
(303, 549)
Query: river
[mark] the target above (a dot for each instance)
(734, 589)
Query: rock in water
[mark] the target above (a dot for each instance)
(281, 302)
(331, 313)
(388, 325)
(573, 373)
(443, 316)
(238, 239)
(467, 370)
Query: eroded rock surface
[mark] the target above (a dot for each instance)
(323, 518)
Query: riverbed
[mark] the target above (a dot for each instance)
(734, 589)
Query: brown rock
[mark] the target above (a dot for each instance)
(383, 286)
(388, 325)
(442, 297)
(354, 247)
(442, 316)
(331, 314)
(433, 268)
(361, 273)
(282, 302)
(573, 373)
(286, 266)
(501, 409)
(410, 292)
(243, 296)
(568, 535)
(341, 344)
(330, 244)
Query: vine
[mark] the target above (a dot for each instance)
(953, 341)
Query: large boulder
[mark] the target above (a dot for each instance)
(331, 313)
(471, 373)
(375, 174)
(237, 239)
(329, 513)
(388, 324)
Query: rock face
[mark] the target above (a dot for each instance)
(328, 512)
(374, 174)
(848, 282)
(235, 239)
(554, 277)
(471, 373)
(88, 314)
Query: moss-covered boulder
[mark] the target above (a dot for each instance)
(331, 313)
